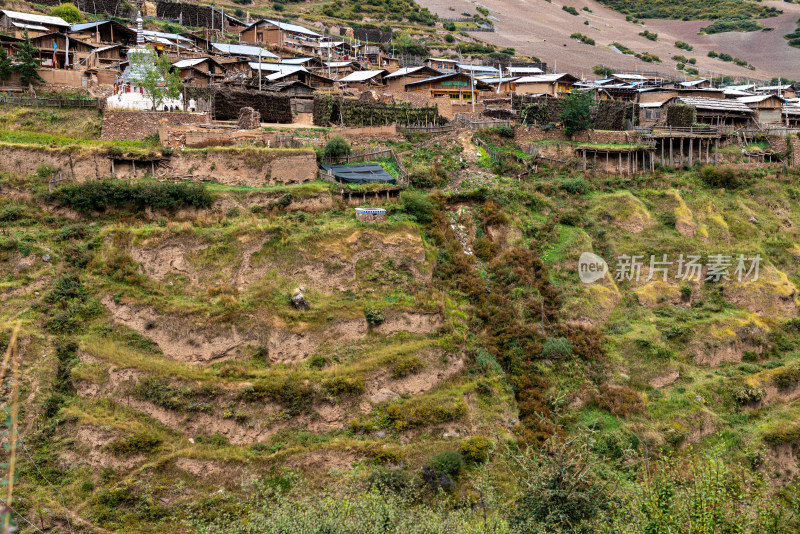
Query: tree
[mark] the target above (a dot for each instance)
(577, 114)
(154, 74)
(27, 65)
(68, 12)
(5, 65)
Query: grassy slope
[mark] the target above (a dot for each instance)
(214, 425)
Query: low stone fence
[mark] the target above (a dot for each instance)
(137, 125)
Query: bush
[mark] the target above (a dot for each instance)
(574, 186)
(684, 46)
(449, 38)
(99, 195)
(340, 386)
(719, 177)
(748, 394)
(787, 378)
(577, 114)
(649, 35)
(418, 205)
(475, 450)
(134, 444)
(374, 316)
(571, 10)
(583, 38)
(621, 401)
(390, 480)
(337, 147)
(68, 12)
(407, 365)
(447, 463)
(557, 348)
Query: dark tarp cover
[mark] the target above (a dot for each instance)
(363, 173)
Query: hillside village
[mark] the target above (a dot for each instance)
(290, 274)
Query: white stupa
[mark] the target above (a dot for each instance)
(127, 93)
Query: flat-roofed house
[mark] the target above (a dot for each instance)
(549, 84)
(244, 51)
(17, 23)
(200, 71)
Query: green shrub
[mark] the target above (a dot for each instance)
(407, 365)
(621, 401)
(390, 480)
(337, 147)
(649, 35)
(215, 440)
(787, 378)
(134, 444)
(745, 394)
(375, 317)
(341, 386)
(582, 38)
(571, 10)
(99, 195)
(732, 25)
(684, 46)
(475, 450)
(557, 348)
(68, 12)
(449, 38)
(720, 177)
(447, 463)
(418, 205)
(574, 186)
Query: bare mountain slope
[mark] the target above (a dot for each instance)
(542, 29)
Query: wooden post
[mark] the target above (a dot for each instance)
(606, 161)
(691, 148)
(682, 158)
(716, 151)
(584, 160)
(619, 166)
(671, 160)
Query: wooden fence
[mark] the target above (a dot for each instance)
(481, 123)
(423, 128)
(53, 102)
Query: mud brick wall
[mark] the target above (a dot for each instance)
(136, 125)
(273, 107)
(115, 8)
(532, 134)
(190, 14)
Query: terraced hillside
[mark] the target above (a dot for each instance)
(170, 384)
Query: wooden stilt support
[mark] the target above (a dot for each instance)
(691, 148)
(671, 160)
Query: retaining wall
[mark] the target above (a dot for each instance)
(137, 125)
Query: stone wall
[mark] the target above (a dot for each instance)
(136, 125)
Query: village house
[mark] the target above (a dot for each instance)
(199, 71)
(244, 51)
(768, 107)
(17, 23)
(479, 71)
(277, 33)
(364, 79)
(397, 80)
(522, 71)
(693, 84)
(458, 87)
(339, 69)
(105, 57)
(103, 32)
(548, 84)
(445, 66)
(58, 50)
(785, 90)
(718, 112)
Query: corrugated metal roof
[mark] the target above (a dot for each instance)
(479, 68)
(296, 60)
(441, 59)
(543, 78)
(362, 75)
(337, 64)
(30, 27)
(715, 104)
(692, 83)
(405, 71)
(524, 70)
(756, 98)
(275, 67)
(242, 50)
(36, 19)
(285, 26)
(182, 64)
(500, 80)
